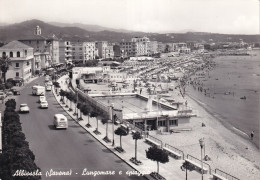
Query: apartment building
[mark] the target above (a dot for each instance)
(77, 51)
(22, 57)
(65, 52)
(90, 51)
(42, 44)
(136, 47)
(153, 47)
(105, 49)
(41, 61)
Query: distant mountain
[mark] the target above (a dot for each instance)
(25, 30)
(88, 27)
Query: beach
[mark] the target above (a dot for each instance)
(229, 148)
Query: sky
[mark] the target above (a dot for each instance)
(216, 16)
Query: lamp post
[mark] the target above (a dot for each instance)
(201, 141)
(113, 122)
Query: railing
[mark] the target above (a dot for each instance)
(155, 139)
(198, 161)
(175, 149)
(225, 175)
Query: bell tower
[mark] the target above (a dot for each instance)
(37, 30)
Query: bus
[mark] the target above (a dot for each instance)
(38, 90)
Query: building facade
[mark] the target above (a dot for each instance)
(136, 47)
(21, 57)
(77, 51)
(90, 51)
(105, 49)
(42, 44)
(65, 52)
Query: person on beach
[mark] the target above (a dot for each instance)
(252, 135)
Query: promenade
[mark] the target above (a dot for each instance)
(170, 170)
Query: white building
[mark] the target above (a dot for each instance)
(21, 57)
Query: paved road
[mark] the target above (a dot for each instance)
(64, 150)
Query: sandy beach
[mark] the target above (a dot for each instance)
(227, 150)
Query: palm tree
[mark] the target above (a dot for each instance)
(5, 62)
(136, 136)
(121, 132)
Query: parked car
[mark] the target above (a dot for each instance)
(2, 95)
(24, 108)
(42, 98)
(15, 91)
(9, 93)
(44, 105)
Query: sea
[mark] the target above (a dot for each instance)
(231, 92)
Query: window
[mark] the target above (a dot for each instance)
(18, 54)
(25, 52)
(28, 63)
(3, 54)
(17, 74)
(11, 54)
(16, 64)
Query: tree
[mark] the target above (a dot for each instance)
(5, 62)
(79, 106)
(136, 136)
(105, 121)
(157, 154)
(95, 114)
(121, 132)
(86, 109)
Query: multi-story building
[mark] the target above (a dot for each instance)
(152, 47)
(90, 51)
(65, 52)
(41, 61)
(137, 46)
(77, 51)
(21, 57)
(42, 44)
(161, 47)
(105, 49)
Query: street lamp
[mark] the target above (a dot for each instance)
(201, 141)
(112, 109)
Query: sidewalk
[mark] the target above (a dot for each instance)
(170, 170)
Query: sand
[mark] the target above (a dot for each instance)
(228, 151)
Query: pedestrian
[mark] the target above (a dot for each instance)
(252, 135)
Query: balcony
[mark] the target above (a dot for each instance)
(68, 50)
(68, 55)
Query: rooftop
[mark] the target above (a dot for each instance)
(15, 45)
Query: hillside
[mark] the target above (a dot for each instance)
(25, 29)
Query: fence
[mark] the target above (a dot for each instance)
(198, 161)
(175, 149)
(225, 175)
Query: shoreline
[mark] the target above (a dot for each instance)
(227, 125)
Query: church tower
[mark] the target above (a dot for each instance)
(37, 30)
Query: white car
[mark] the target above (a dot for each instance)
(24, 108)
(49, 83)
(44, 105)
(42, 98)
(48, 88)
